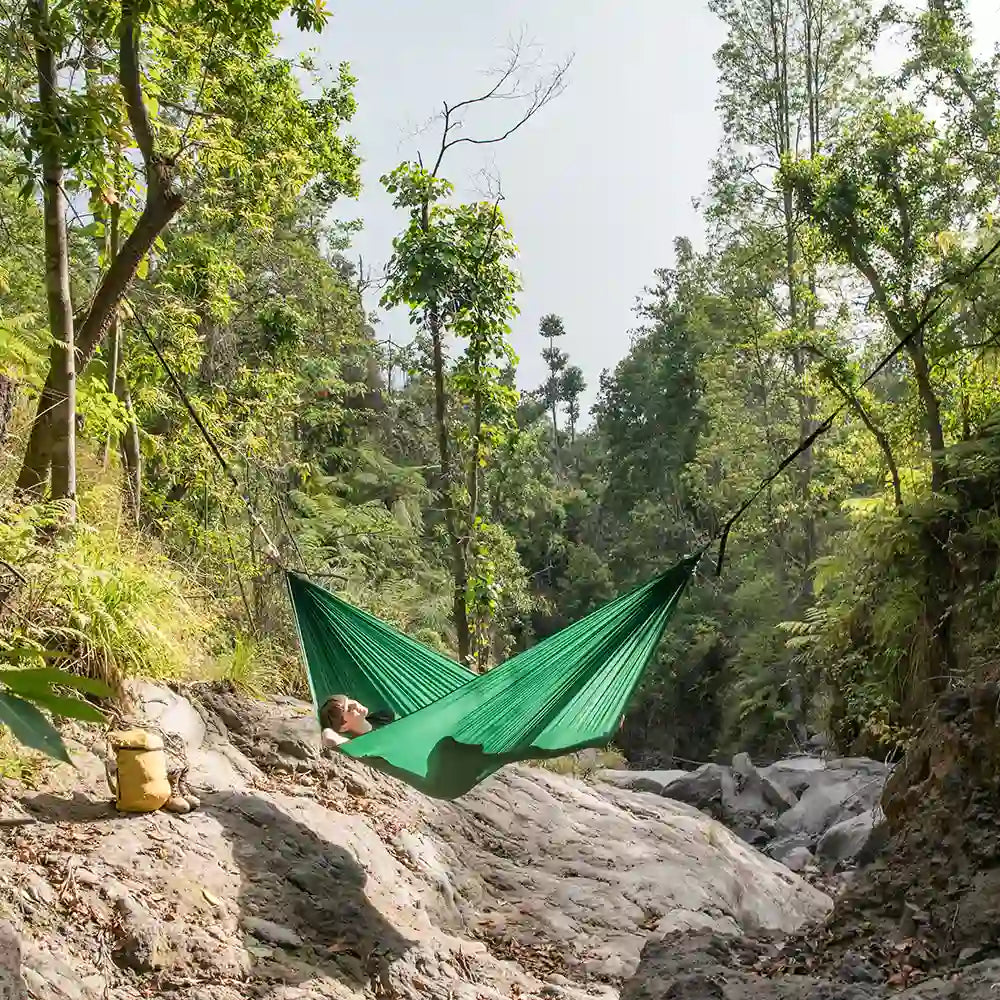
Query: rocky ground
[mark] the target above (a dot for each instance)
(304, 877)
(813, 814)
(920, 922)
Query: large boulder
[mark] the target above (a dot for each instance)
(702, 788)
(742, 797)
(707, 967)
(655, 782)
(768, 790)
(828, 802)
(854, 840)
(171, 711)
(796, 773)
(799, 859)
(799, 774)
(783, 847)
(784, 808)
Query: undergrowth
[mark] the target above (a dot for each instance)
(17, 763)
(112, 605)
(909, 604)
(259, 667)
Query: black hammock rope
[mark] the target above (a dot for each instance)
(272, 551)
(807, 442)
(722, 535)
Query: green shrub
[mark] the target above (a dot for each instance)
(112, 604)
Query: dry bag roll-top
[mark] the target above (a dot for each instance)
(141, 784)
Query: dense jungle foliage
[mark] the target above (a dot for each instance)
(166, 178)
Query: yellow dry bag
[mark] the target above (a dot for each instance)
(141, 783)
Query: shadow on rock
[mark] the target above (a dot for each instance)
(302, 897)
(44, 807)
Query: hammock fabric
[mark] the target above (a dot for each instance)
(453, 727)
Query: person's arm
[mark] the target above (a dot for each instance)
(332, 739)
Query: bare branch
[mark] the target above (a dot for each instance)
(507, 86)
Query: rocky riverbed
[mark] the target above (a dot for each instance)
(304, 877)
(813, 814)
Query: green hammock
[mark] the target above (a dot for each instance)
(453, 727)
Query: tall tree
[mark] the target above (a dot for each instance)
(572, 386)
(48, 127)
(551, 327)
(193, 105)
(451, 268)
(438, 269)
(882, 198)
(785, 69)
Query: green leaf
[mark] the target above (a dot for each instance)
(43, 679)
(30, 728)
(68, 708)
(31, 653)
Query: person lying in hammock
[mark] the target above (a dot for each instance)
(343, 718)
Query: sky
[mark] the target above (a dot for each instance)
(596, 188)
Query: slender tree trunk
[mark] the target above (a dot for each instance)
(8, 400)
(554, 401)
(483, 639)
(932, 412)
(966, 418)
(131, 455)
(211, 339)
(881, 438)
(460, 569)
(113, 333)
(114, 330)
(61, 438)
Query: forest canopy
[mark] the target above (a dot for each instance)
(167, 180)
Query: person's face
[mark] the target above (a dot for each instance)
(356, 718)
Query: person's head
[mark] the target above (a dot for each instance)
(345, 715)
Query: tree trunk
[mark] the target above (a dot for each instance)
(131, 455)
(114, 331)
(482, 639)
(163, 202)
(932, 412)
(881, 438)
(60, 443)
(8, 400)
(211, 334)
(902, 324)
(803, 401)
(460, 569)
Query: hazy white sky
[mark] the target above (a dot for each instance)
(596, 187)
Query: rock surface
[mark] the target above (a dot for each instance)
(857, 839)
(305, 877)
(785, 809)
(702, 967)
(921, 922)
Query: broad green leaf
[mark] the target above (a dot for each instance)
(45, 678)
(68, 708)
(30, 728)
